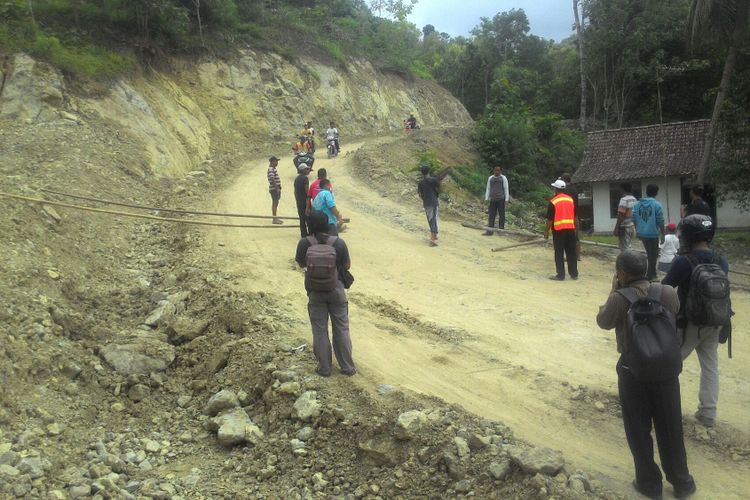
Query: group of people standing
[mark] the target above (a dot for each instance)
(646, 403)
(656, 402)
(319, 224)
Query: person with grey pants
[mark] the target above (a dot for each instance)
(498, 195)
(335, 304)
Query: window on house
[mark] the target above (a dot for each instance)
(615, 193)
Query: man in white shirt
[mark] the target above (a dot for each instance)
(498, 195)
(333, 133)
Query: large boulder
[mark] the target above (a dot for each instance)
(537, 460)
(235, 427)
(306, 407)
(183, 330)
(409, 423)
(222, 400)
(138, 353)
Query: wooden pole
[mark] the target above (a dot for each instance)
(525, 243)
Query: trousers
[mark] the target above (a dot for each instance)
(652, 252)
(497, 207)
(705, 342)
(321, 306)
(303, 230)
(657, 403)
(432, 217)
(564, 242)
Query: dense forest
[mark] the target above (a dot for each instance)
(638, 61)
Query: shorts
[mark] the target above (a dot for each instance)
(275, 195)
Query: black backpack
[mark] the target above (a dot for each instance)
(708, 302)
(652, 344)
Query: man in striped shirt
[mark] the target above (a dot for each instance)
(274, 187)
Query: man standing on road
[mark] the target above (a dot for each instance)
(324, 202)
(648, 216)
(697, 231)
(571, 191)
(696, 205)
(646, 402)
(314, 188)
(429, 189)
(561, 217)
(322, 304)
(625, 227)
(274, 187)
(497, 194)
(300, 197)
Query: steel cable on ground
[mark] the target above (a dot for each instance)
(172, 210)
(140, 216)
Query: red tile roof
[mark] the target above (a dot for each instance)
(672, 149)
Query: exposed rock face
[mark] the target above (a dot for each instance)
(176, 116)
(33, 90)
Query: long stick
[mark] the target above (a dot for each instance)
(160, 209)
(140, 216)
(525, 243)
(501, 231)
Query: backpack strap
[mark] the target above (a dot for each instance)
(629, 294)
(655, 292)
(312, 239)
(331, 240)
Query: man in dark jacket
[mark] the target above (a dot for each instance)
(696, 232)
(301, 183)
(644, 403)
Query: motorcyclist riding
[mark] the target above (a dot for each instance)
(332, 135)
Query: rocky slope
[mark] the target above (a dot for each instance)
(182, 116)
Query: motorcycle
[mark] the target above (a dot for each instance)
(332, 148)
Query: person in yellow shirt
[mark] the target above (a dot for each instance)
(302, 146)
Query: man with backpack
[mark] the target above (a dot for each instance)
(325, 259)
(704, 320)
(643, 316)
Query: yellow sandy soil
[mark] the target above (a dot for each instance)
(527, 342)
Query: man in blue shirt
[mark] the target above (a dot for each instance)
(324, 202)
(648, 216)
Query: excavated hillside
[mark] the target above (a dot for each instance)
(146, 359)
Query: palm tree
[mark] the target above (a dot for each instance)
(728, 18)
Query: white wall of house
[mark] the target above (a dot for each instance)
(670, 191)
(730, 216)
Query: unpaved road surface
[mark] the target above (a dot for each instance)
(484, 330)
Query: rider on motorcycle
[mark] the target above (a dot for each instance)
(332, 134)
(411, 123)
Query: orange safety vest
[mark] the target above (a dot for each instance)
(565, 212)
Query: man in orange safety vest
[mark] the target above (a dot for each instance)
(561, 220)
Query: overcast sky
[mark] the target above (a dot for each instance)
(551, 19)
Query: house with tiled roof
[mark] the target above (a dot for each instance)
(666, 155)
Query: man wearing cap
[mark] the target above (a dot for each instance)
(300, 196)
(561, 217)
(274, 187)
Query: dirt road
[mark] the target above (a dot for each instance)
(484, 330)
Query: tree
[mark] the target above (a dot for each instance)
(398, 9)
(729, 19)
(579, 30)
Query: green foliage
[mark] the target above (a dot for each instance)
(471, 178)
(88, 62)
(427, 157)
